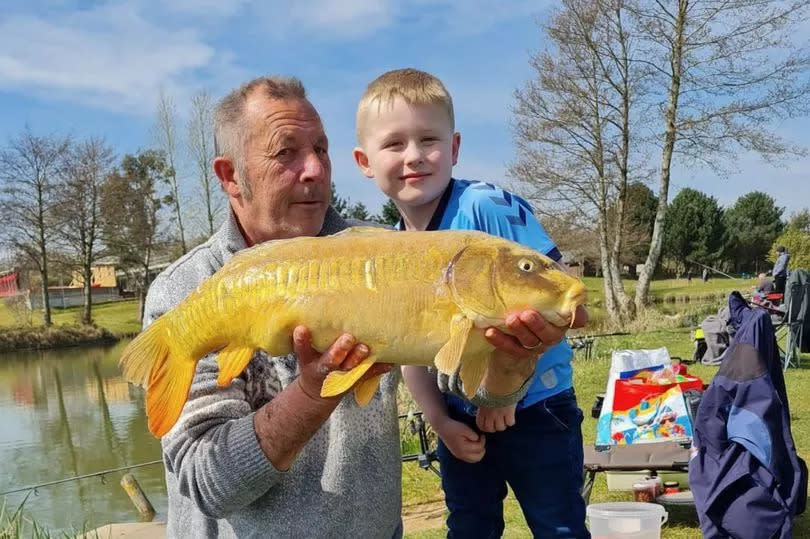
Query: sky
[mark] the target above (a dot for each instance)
(90, 69)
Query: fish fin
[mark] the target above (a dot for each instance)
(148, 362)
(232, 360)
(168, 389)
(338, 382)
(472, 372)
(449, 356)
(365, 390)
(362, 230)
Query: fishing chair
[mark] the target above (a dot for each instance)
(793, 323)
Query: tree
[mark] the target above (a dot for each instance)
(201, 149)
(573, 128)
(29, 171)
(694, 229)
(730, 70)
(753, 223)
(638, 224)
(358, 211)
(78, 208)
(390, 214)
(166, 137)
(340, 204)
(130, 204)
(799, 221)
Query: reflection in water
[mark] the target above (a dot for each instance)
(69, 412)
(109, 432)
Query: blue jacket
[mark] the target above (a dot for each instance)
(746, 477)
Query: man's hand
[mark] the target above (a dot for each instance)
(463, 442)
(495, 419)
(287, 423)
(516, 355)
(344, 354)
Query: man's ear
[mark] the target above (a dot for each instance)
(223, 168)
(361, 159)
(456, 145)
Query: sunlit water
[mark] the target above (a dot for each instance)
(66, 413)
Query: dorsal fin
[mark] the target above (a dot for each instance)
(363, 230)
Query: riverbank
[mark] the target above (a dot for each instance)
(38, 338)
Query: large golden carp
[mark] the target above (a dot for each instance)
(419, 298)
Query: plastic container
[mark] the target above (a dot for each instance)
(644, 491)
(628, 520)
(671, 487)
(659, 484)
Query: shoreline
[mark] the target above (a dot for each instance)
(20, 339)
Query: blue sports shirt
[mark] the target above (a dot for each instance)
(473, 205)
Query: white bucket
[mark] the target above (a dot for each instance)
(634, 520)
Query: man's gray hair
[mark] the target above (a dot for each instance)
(231, 127)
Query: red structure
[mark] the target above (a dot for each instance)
(9, 285)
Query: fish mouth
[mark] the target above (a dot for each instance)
(579, 297)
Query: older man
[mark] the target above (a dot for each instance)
(267, 456)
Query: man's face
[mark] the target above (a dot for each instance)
(409, 150)
(288, 169)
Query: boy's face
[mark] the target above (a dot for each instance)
(409, 150)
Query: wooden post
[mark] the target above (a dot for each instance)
(135, 493)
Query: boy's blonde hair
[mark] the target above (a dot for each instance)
(414, 86)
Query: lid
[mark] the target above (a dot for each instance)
(670, 483)
(625, 509)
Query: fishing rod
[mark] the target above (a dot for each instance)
(102, 473)
(714, 270)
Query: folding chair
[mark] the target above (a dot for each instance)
(794, 323)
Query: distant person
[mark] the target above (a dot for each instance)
(765, 286)
(705, 275)
(780, 269)
(689, 276)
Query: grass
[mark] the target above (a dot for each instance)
(665, 288)
(114, 319)
(19, 525)
(589, 381)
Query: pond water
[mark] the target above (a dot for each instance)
(66, 413)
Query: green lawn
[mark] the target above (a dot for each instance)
(676, 288)
(589, 381)
(120, 317)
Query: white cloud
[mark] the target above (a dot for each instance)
(328, 20)
(109, 56)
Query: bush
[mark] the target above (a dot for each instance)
(797, 244)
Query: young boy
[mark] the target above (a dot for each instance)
(408, 144)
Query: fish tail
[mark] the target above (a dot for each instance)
(148, 362)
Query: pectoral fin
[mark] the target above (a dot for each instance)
(338, 382)
(449, 356)
(365, 390)
(473, 369)
(232, 360)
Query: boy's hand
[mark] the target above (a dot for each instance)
(531, 334)
(495, 419)
(463, 442)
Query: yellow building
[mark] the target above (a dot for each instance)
(103, 275)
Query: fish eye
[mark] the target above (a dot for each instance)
(525, 264)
